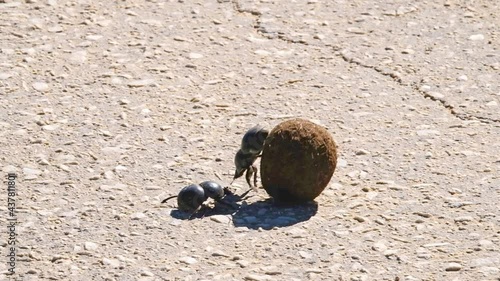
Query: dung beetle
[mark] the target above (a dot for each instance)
(253, 140)
(251, 146)
(213, 190)
(191, 198)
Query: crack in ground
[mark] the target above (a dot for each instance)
(445, 104)
(350, 58)
(261, 29)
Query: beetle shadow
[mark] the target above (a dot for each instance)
(227, 206)
(203, 212)
(264, 214)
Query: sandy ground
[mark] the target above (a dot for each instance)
(109, 108)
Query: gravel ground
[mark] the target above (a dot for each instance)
(109, 108)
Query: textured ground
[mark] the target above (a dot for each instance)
(108, 108)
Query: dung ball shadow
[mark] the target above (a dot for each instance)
(268, 214)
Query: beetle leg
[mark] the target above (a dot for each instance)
(248, 176)
(202, 208)
(192, 214)
(254, 177)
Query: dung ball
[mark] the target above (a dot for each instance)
(298, 161)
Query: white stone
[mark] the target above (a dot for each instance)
(30, 171)
(78, 57)
(492, 104)
(476, 37)
(220, 218)
(51, 127)
(188, 260)
(137, 216)
(5, 75)
(262, 53)
(41, 86)
(111, 262)
(195, 56)
(140, 83)
(90, 246)
(305, 255)
(427, 133)
(453, 266)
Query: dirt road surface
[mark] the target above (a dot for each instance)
(109, 107)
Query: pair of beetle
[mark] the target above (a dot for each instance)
(192, 197)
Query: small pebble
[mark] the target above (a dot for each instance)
(188, 260)
(464, 219)
(4, 75)
(213, 82)
(243, 263)
(407, 51)
(141, 83)
(271, 270)
(262, 53)
(436, 95)
(439, 244)
(305, 255)
(362, 152)
(90, 246)
(390, 253)
(111, 262)
(379, 247)
(486, 243)
(476, 37)
(297, 232)
(30, 174)
(453, 266)
(220, 218)
(41, 86)
(219, 254)
(51, 127)
(492, 104)
(93, 37)
(147, 273)
(314, 270)
(195, 56)
(359, 219)
(424, 133)
(341, 163)
(137, 216)
(356, 30)
(64, 167)
(55, 29)
(78, 57)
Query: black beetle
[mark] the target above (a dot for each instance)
(192, 197)
(250, 149)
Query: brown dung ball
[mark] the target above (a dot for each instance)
(298, 161)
